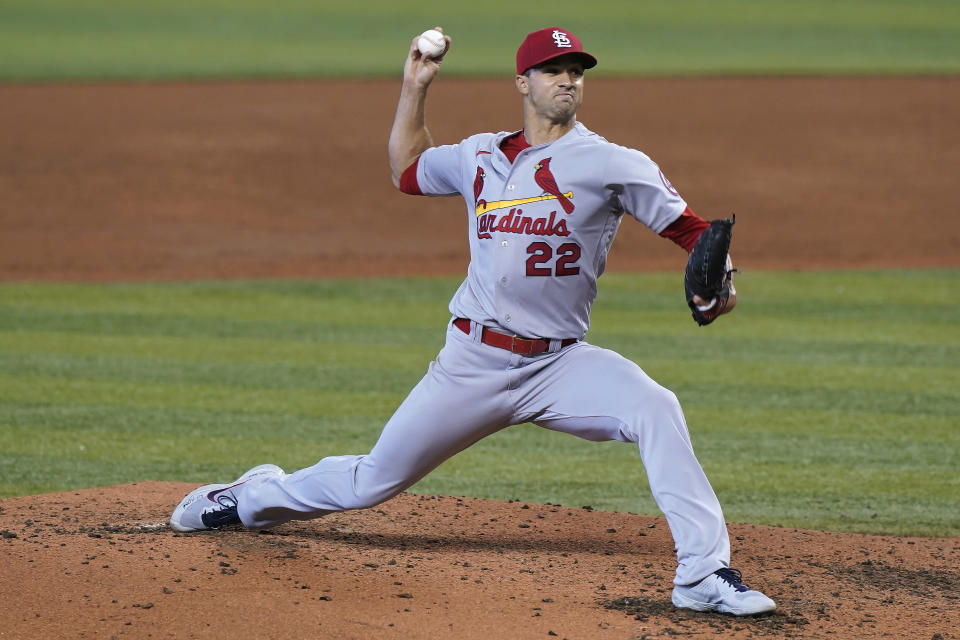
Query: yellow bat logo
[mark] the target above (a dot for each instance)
(486, 207)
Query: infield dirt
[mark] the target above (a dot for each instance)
(131, 182)
(184, 181)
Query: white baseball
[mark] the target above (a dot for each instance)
(431, 44)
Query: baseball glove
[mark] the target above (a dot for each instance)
(709, 273)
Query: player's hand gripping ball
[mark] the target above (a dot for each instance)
(709, 273)
(431, 44)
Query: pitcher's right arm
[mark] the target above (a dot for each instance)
(409, 136)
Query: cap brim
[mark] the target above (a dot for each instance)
(589, 62)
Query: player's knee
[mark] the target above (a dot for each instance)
(657, 401)
(370, 494)
(367, 499)
(670, 409)
(666, 401)
(656, 407)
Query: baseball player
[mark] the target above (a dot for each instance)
(543, 205)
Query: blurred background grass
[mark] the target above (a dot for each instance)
(152, 39)
(832, 402)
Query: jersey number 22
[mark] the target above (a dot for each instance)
(541, 253)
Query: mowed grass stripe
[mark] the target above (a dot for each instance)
(54, 390)
(214, 328)
(341, 301)
(50, 39)
(280, 387)
(839, 510)
(376, 312)
(888, 447)
(260, 375)
(874, 341)
(935, 380)
(866, 427)
(176, 421)
(923, 448)
(847, 455)
(195, 449)
(841, 479)
(894, 294)
(826, 328)
(933, 385)
(225, 350)
(36, 474)
(851, 401)
(244, 372)
(640, 340)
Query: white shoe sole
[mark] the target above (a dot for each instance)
(683, 602)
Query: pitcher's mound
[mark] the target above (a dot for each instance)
(102, 563)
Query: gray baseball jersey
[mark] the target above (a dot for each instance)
(541, 227)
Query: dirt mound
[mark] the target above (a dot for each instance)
(102, 563)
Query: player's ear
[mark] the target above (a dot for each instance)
(522, 85)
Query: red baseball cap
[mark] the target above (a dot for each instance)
(545, 44)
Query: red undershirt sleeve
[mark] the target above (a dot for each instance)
(408, 180)
(686, 229)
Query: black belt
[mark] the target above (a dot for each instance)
(514, 344)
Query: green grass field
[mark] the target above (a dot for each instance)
(137, 39)
(829, 400)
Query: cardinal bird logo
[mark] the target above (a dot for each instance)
(545, 181)
(478, 184)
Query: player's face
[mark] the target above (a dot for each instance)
(554, 89)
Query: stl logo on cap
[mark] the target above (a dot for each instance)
(561, 39)
(546, 44)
